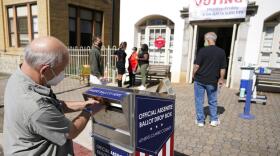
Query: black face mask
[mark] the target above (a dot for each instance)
(99, 44)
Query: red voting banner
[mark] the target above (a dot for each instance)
(159, 42)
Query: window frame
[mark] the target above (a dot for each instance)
(32, 24)
(78, 20)
(15, 28)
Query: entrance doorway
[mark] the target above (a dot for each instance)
(149, 30)
(224, 39)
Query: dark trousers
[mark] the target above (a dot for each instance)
(131, 79)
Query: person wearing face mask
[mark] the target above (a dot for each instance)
(34, 120)
(95, 61)
(143, 62)
(208, 73)
(120, 64)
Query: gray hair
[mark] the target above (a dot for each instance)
(210, 36)
(37, 58)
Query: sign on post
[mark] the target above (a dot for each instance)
(217, 9)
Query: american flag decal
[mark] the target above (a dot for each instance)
(167, 149)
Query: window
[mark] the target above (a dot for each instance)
(98, 24)
(72, 26)
(34, 21)
(171, 44)
(86, 27)
(22, 24)
(268, 39)
(265, 59)
(11, 27)
(149, 31)
(142, 36)
(83, 24)
(157, 22)
(278, 58)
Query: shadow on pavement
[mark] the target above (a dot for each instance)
(179, 154)
(149, 83)
(153, 83)
(220, 110)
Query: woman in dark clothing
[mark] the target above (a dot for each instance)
(143, 62)
(121, 56)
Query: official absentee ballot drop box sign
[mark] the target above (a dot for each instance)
(134, 122)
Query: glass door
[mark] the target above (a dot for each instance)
(160, 55)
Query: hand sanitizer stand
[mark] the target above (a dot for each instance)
(247, 80)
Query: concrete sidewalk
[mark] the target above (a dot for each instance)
(235, 136)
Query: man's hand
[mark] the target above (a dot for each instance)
(96, 105)
(91, 101)
(221, 82)
(74, 106)
(79, 123)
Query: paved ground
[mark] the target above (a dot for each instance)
(234, 136)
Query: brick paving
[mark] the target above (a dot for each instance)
(235, 136)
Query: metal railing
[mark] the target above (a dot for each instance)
(79, 56)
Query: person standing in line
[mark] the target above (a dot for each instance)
(132, 67)
(208, 73)
(95, 61)
(34, 120)
(143, 62)
(121, 56)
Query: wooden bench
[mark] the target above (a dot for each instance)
(157, 72)
(269, 82)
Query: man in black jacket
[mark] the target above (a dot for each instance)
(209, 71)
(95, 61)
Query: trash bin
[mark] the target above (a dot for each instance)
(134, 122)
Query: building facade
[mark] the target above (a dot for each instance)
(252, 40)
(74, 22)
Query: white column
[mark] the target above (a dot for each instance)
(194, 42)
(177, 53)
(231, 55)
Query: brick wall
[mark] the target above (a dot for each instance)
(9, 63)
(52, 20)
(59, 17)
(11, 57)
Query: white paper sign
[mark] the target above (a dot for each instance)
(217, 9)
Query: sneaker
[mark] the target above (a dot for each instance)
(199, 124)
(215, 123)
(141, 88)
